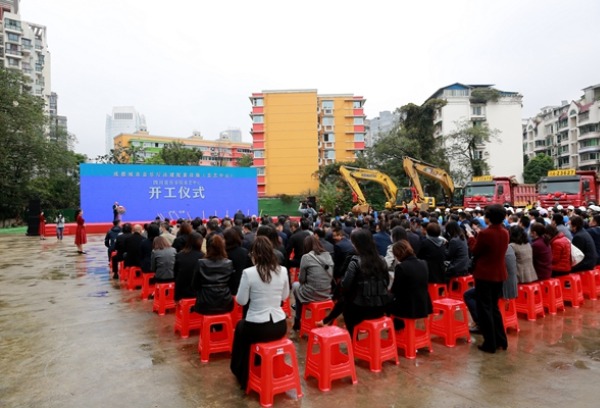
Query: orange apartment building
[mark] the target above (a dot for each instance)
(220, 152)
(296, 131)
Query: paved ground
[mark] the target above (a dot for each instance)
(70, 337)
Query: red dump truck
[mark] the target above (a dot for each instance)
(487, 190)
(569, 187)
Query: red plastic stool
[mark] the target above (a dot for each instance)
(374, 348)
(589, 284)
(287, 308)
(273, 375)
(529, 300)
(185, 319)
(294, 274)
(552, 295)
(135, 278)
(164, 298)
(313, 312)
(147, 287)
(237, 313)
(123, 272)
(444, 322)
(329, 362)
(411, 338)
(508, 310)
(571, 289)
(459, 285)
(215, 341)
(437, 291)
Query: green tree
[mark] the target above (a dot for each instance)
(245, 161)
(176, 153)
(129, 154)
(464, 147)
(537, 167)
(329, 196)
(22, 142)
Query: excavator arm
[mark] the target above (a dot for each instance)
(414, 167)
(352, 174)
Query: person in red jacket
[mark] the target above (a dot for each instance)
(489, 249)
(42, 227)
(561, 251)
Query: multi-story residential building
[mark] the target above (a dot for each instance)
(569, 133)
(124, 119)
(295, 132)
(380, 126)
(234, 135)
(23, 47)
(214, 152)
(475, 105)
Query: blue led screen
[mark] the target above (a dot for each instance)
(147, 191)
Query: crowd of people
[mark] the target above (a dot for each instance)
(370, 265)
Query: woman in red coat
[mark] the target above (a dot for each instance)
(42, 227)
(80, 235)
(561, 251)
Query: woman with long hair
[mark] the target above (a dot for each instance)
(316, 274)
(365, 282)
(185, 265)
(265, 285)
(520, 244)
(212, 278)
(80, 235)
(238, 255)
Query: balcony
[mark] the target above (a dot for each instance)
(15, 28)
(11, 52)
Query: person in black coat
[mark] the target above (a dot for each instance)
(152, 231)
(120, 248)
(457, 253)
(238, 255)
(411, 297)
(133, 247)
(185, 264)
(342, 250)
(296, 242)
(433, 252)
(182, 235)
(584, 241)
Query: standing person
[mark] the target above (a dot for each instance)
(42, 226)
(365, 282)
(80, 235)
(489, 250)
(110, 239)
(115, 209)
(316, 274)
(60, 226)
(265, 286)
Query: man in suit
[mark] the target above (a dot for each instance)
(296, 241)
(342, 249)
(489, 249)
(120, 248)
(133, 247)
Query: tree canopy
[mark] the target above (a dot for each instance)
(537, 167)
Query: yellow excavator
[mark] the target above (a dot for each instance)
(414, 167)
(352, 174)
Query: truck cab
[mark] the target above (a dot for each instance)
(568, 187)
(486, 190)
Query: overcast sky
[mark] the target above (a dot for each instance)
(191, 65)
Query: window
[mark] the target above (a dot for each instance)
(13, 37)
(330, 154)
(329, 137)
(477, 110)
(258, 102)
(588, 143)
(260, 171)
(259, 154)
(359, 137)
(359, 121)
(478, 154)
(456, 92)
(357, 104)
(258, 119)
(327, 104)
(327, 121)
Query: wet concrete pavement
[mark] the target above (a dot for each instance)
(70, 337)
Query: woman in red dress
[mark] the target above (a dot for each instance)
(80, 235)
(42, 227)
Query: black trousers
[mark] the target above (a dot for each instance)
(247, 333)
(488, 315)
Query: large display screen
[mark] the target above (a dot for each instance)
(148, 191)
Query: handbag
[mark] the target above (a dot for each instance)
(576, 255)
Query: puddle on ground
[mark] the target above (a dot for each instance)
(101, 293)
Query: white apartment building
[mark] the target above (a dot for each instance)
(23, 47)
(502, 114)
(231, 134)
(124, 119)
(569, 133)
